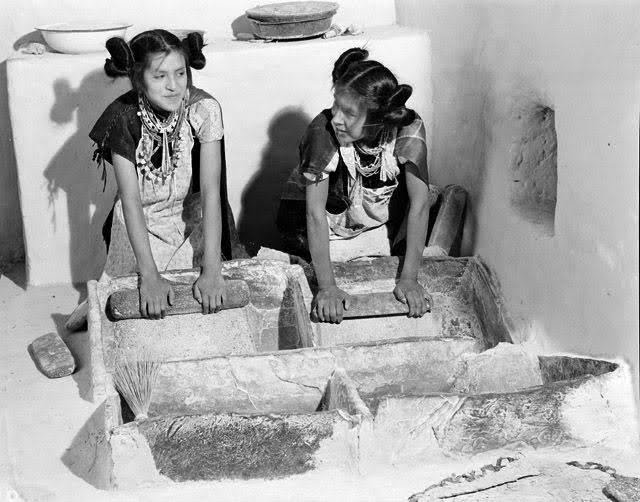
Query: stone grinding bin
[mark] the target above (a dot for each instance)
(261, 372)
(287, 397)
(275, 318)
(466, 303)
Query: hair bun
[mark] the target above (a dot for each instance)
(121, 61)
(400, 96)
(193, 45)
(346, 59)
(397, 113)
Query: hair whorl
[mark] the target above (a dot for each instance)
(133, 58)
(397, 112)
(121, 61)
(376, 85)
(400, 96)
(193, 45)
(346, 59)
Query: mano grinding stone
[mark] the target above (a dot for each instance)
(125, 303)
(52, 356)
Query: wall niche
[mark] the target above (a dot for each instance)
(534, 166)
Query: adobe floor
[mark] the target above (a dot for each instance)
(40, 418)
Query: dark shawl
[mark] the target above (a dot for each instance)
(319, 145)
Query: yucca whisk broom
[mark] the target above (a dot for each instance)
(135, 376)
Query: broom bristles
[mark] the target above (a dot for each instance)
(135, 376)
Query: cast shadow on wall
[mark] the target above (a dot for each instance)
(464, 147)
(90, 191)
(261, 196)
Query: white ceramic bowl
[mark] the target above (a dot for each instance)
(79, 38)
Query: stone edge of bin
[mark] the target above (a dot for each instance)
(100, 327)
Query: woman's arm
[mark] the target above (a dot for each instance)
(209, 289)
(155, 292)
(330, 301)
(318, 232)
(408, 289)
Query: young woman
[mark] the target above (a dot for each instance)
(157, 136)
(362, 183)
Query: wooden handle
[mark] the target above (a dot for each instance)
(125, 303)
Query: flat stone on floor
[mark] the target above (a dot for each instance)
(623, 489)
(52, 356)
(504, 368)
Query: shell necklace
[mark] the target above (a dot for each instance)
(375, 152)
(159, 133)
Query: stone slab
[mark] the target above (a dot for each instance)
(52, 356)
(439, 275)
(452, 315)
(306, 333)
(556, 368)
(295, 381)
(623, 489)
(581, 412)
(503, 368)
(271, 383)
(272, 321)
(404, 366)
(341, 393)
(188, 335)
(482, 291)
(584, 411)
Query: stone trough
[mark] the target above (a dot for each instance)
(274, 319)
(260, 392)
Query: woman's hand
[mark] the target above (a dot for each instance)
(210, 291)
(410, 292)
(329, 305)
(156, 295)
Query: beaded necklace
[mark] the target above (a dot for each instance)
(160, 133)
(375, 152)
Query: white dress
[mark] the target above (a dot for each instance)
(172, 212)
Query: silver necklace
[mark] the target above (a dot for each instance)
(162, 134)
(373, 151)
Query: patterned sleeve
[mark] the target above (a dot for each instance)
(318, 149)
(205, 117)
(411, 149)
(114, 132)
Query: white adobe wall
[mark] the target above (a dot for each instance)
(268, 93)
(579, 287)
(19, 17)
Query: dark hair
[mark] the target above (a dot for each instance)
(131, 59)
(376, 85)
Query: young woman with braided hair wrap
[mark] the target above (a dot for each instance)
(157, 136)
(360, 162)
